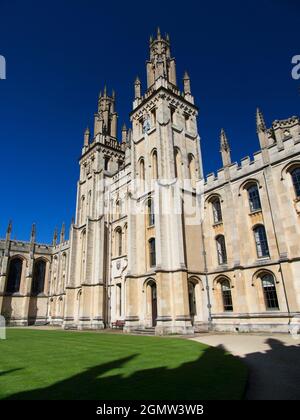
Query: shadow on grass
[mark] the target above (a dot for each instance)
(214, 375)
(6, 372)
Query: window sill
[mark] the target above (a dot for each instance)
(264, 258)
(254, 212)
(216, 224)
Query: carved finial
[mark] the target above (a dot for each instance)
(167, 37)
(129, 137)
(225, 149)
(137, 88)
(113, 95)
(8, 230)
(54, 241)
(186, 76)
(224, 141)
(186, 83)
(158, 33)
(260, 122)
(124, 133)
(33, 233)
(105, 91)
(86, 137)
(62, 233)
(9, 227)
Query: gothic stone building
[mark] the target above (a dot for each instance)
(155, 244)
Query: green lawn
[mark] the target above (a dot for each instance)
(36, 364)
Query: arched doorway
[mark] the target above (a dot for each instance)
(192, 300)
(154, 304)
(151, 296)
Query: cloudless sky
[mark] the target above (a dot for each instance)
(60, 54)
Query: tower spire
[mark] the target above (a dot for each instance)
(225, 149)
(160, 64)
(260, 121)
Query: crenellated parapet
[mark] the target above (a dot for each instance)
(281, 142)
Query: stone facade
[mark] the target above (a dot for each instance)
(155, 244)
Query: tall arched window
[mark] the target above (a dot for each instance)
(83, 255)
(269, 289)
(142, 173)
(261, 241)
(82, 210)
(106, 163)
(118, 209)
(118, 242)
(221, 249)
(254, 199)
(90, 203)
(177, 159)
(154, 165)
(296, 181)
(192, 169)
(14, 275)
(217, 210)
(38, 280)
(152, 252)
(226, 295)
(125, 238)
(150, 212)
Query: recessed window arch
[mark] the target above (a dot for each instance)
(178, 163)
(82, 209)
(261, 242)
(192, 168)
(152, 252)
(118, 209)
(269, 289)
(226, 295)
(221, 249)
(90, 203)
(216, 209)
(118, 242)
(83, 255)
(141, 169)
(253, 196)
(150, 212)
(295, 174)
(14, 275)
(154, 164)
(38, 279)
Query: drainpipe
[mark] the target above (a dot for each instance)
(206, 280)
(277, 245)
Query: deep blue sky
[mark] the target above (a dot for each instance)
(60, 53)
